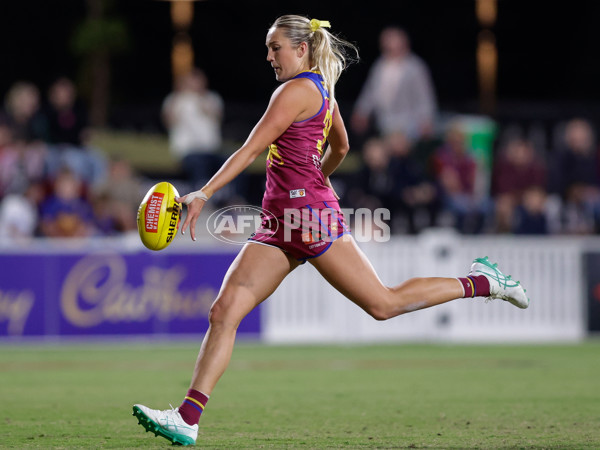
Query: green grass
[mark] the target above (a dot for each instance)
(393, 396)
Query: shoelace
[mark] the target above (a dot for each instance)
(496, 275)
(170, 417)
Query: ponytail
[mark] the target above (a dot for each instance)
(328, 53)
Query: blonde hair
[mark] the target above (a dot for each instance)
(327, 53)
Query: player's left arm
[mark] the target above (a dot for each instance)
(338, 144)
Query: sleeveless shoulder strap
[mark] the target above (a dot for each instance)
(316, 78)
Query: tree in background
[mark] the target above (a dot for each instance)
(95, 40)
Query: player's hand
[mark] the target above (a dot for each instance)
(194, 203)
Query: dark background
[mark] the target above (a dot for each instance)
(549, 63)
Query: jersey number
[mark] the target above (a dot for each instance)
(327, 122)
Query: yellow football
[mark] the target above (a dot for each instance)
(158, 216)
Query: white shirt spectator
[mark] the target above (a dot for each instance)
(193, 117)
(18, 218)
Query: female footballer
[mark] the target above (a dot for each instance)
(301, 117)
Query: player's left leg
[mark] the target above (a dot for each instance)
(252, 277)
(347, 269)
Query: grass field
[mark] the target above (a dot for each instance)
(392, 396)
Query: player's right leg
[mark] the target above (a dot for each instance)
(252, 277)
(347, 269)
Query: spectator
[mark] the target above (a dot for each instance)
(413, 195)
(531, 215)
(8, 157)
(193, 115)
(20, 162)
(576, 169)
(25, 130)
(117, 199)
(69, 134)
(22, 104)
(515, 171)
(19, 214)
(455, 170)
(398, 92)
(66, 213)
(67, 116)
(373, 185)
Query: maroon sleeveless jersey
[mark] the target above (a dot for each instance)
(294, 177)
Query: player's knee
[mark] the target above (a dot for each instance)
(385, 309)
(222, 313)
(215, 314)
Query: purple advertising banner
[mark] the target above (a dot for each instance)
(111, 293)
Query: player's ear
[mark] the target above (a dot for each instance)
(302, 49)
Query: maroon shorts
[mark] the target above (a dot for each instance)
(303, 233)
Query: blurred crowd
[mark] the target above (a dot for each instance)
(52, 182)
(440, 181)
(430, 173)
(427, 172)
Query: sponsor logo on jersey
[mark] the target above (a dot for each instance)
(307, 238)
(153, 212)
(297, 193)
(311, 236)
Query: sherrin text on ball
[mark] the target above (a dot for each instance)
(158, 216)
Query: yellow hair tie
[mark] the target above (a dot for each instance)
(315, 24)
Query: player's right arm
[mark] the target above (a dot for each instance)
(337, 149)
(338, 144)
(287, 103)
